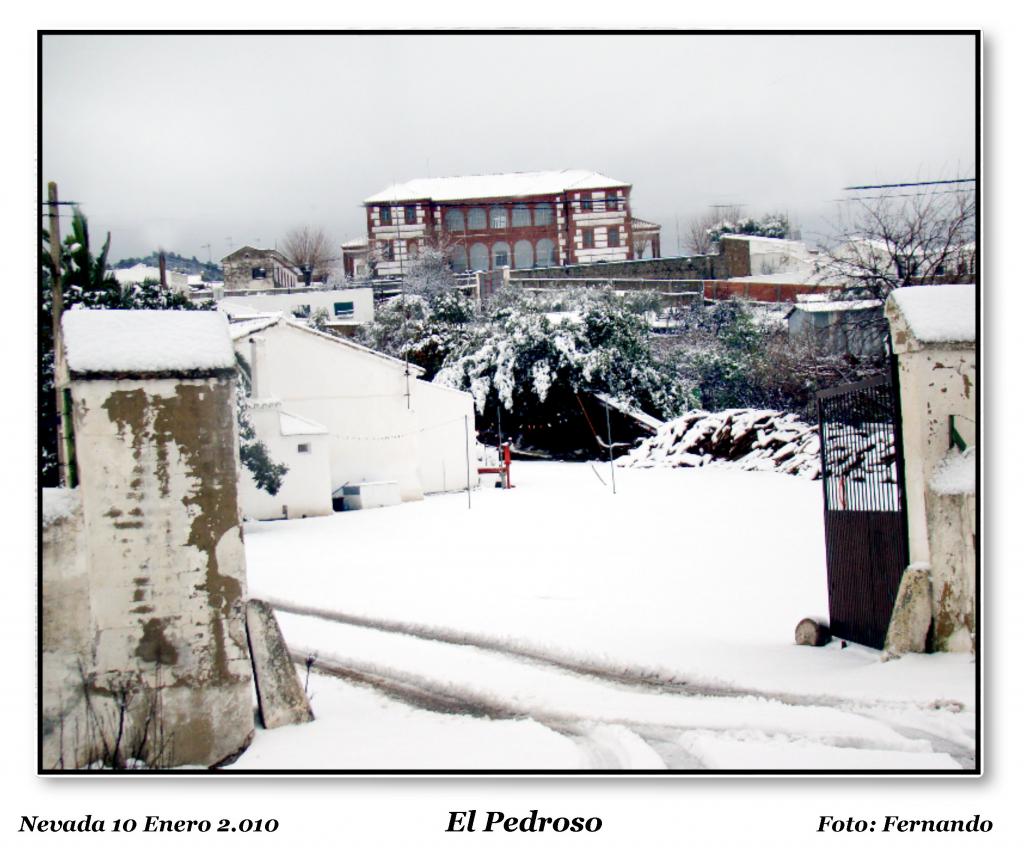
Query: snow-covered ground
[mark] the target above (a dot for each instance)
(557, 625)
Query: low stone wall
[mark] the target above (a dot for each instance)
(693, 268)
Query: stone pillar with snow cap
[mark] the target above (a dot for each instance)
(156, 445)
(933, 335)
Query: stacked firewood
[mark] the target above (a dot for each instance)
(750, 439)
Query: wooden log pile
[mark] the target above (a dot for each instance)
(750, 439)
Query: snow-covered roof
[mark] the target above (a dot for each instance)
(250, 325)
(254, 327)
(508, 185)
(936, 313)
(292, 424)
(772, 245)
(137, 274)
(357, 243)
(835, 305)
(146, 342)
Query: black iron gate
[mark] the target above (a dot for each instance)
(865, 506)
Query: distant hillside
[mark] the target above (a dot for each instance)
(176, 263)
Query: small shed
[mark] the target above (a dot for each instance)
(156, 589)
(839, 326)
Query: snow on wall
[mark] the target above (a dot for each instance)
(936, 314)
(97, 341)
(59, 504)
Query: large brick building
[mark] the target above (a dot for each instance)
(522, 220)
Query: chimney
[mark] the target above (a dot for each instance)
(258, 367)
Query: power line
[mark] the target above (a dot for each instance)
(915, 183)
(899, 195)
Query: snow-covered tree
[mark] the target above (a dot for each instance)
(534, 363)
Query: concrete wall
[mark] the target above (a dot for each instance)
(694, 268)
(162, 548)
(66, 628)
(938, 380)
(952, 534)
(934, 383)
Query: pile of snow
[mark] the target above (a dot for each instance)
(955, 474)
(748, 438)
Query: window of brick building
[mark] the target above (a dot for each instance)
(499, 217)
(388, 248)
(613, 237)
(611, 201)
(520, 216)
(460, 262)
(259, 272)
(477, 219)
(588, 237)
(385, 215)
(523, 254)
(479, 257)
(545, 253)
(543, 214)
(454, 220)
(586, 201)
(412, 249)
(410, 214)
(501, 253)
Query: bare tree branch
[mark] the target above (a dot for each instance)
(308, 248)
(889, 242)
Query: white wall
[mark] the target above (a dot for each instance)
(441, 414)
(375, 431)
(285, 301)
(306, 487)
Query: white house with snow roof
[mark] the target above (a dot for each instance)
(138, 273)
(520, 220)
(381, 421)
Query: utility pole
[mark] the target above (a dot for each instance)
(163, 269)
(611, 451)
(209, 252)
(57, 292)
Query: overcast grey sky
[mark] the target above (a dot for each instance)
(179, 141)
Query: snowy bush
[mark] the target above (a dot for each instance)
(534, 363)
(774, 225)
(732, 358)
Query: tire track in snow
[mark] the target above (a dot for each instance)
(644, 681)
(440, 694)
